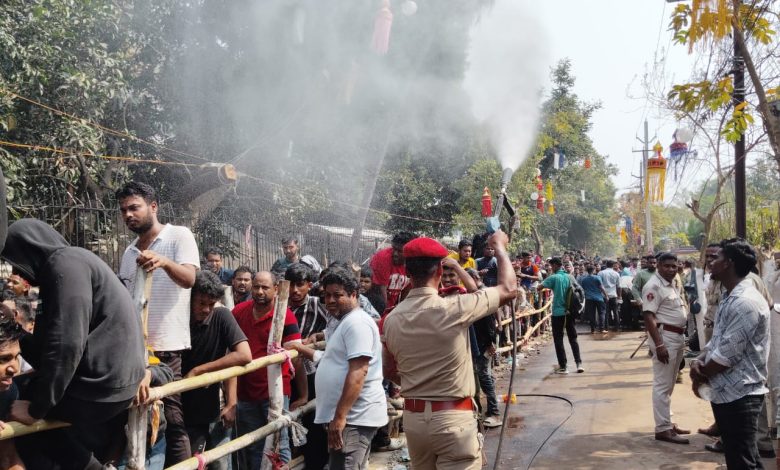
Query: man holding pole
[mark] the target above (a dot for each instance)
(255, 319)
(427, 341)
(171, 254)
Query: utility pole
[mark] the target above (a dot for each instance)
(738, 96)
(648, 215)
(643, 178)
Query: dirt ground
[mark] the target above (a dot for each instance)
(611, 425)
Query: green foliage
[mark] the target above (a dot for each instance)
(713, 28)
(417, 192)
(69, 55)
(565, 124)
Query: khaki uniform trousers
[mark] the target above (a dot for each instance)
(444, 440)
(664, 377)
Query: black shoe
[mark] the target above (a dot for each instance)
(670, 436)
(716, 446)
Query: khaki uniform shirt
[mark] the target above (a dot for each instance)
(428, 337)
(663, 299)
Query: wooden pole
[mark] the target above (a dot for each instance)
(243, 441)
(138, 415)
(275, 383)
(185, 385)
(14, 429)
(136, 437)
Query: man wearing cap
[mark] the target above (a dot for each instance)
(427, 347)
(665, 318)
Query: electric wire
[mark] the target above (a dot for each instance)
(261, 141)
(98, 126)
(74, 154)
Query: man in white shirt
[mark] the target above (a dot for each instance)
(350, 398)
(171, 254)
(610, 278)
(665, 318)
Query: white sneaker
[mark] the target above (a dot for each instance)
(561, 370)
(492, 422)
(580, 369)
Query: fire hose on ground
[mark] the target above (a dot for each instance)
(540, 395)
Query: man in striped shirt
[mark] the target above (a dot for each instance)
(170, 254)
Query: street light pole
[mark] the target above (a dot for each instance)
(738, 96)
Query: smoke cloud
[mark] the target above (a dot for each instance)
(504, 78)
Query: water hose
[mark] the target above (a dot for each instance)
(508, 401)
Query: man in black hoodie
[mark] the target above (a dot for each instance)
(87, 349)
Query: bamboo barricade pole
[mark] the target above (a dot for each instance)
(185, 385)
(137, 419)
(525, 313)
(14, 429)
(275, 382)
(531, 331)
(138, 415)
(243, 441)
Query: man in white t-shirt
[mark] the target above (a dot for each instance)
(171, 254)
(350, 398)
(610, 278)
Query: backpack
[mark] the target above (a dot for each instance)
(573, 303)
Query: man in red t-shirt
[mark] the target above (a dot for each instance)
(255, 317)
(389, 271)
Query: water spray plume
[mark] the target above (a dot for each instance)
(504, 79)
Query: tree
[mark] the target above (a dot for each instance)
(707, 24)
(576, 224)
(82, 69)
(565, 124)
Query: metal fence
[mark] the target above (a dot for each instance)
(101, 230)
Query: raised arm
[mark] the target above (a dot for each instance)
(507, 280)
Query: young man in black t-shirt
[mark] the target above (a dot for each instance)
(217, 343)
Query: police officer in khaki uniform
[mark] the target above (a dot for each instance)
(427, 348)
(665, 318)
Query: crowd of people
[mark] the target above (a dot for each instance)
(418, 321)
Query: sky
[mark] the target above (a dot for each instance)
(611, 44)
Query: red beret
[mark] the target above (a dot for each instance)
(424, 247)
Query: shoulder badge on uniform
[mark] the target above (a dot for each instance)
(650, 296)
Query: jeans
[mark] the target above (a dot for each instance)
(613, 313)
(354, 454)
(177, 440)
(208, 436)
(595, 311)
(559, 324)
(253, 415)
(738, 423)
(487, 384)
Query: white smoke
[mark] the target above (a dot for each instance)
(504, 78)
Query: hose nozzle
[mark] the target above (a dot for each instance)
(506, 178)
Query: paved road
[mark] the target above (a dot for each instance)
(612, 424)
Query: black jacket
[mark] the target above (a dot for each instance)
(88, 341)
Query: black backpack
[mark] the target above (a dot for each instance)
(573, 303)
